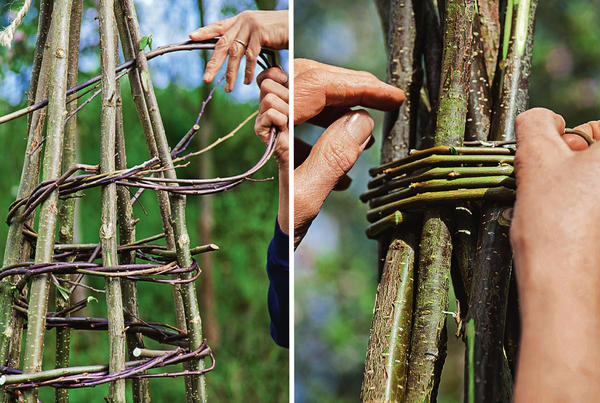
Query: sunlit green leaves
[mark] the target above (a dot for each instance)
(146, 41)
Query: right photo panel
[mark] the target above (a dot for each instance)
(446, 200)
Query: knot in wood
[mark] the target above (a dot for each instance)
(183, 240)
(106, 231)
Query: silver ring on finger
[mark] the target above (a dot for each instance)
(241, 43)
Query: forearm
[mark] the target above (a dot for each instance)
(559, 350)
(283, 209)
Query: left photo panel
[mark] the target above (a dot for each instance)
(145, 191)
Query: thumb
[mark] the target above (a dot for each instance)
(576, 142)
(538, 132)
(332, 156)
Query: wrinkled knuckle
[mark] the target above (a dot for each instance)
(271, 114)
(212, 64)
(223, 43)
(520, 119)
(236, 49)
(251, 54)
(339, 160)
(520, 163)
(245, 14)
(270, 99)
(268, 87)
(369, 76)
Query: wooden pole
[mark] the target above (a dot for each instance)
(38, 301)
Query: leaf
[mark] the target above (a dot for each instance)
(145, 78)
(146, 41)
(397, 217)
(453, 151)
(64, 292)
(91, 299)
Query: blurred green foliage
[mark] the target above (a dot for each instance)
(250, 367)
(336, 268)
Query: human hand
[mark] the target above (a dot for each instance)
(332, 156)
(557, 260)
(242, 34)
(273, 111)
(323, 95)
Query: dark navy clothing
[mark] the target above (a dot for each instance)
(278, 270)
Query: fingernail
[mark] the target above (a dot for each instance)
(359, 126)
(366, 142)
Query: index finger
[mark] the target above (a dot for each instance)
(301, 65)
(317, 89)
(212, 30)
(363, 89)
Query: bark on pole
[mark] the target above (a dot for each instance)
(182, 240)
(38, 301)
(493, 259)
(17, 247)
(389, 340)
(164, 204)
(108, 227)
(479, 115)
(427, 353)
(66, 208)
(126, 221)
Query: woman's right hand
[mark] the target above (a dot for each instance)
(243, 34)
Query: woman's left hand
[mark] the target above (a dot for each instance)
(274, 111)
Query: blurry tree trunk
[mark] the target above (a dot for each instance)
(204, 226)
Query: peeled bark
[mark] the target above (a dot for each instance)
(389, 341)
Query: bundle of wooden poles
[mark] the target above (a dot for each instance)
(34, 261)
(442, 214)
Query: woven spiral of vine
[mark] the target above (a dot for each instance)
(400, 189)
